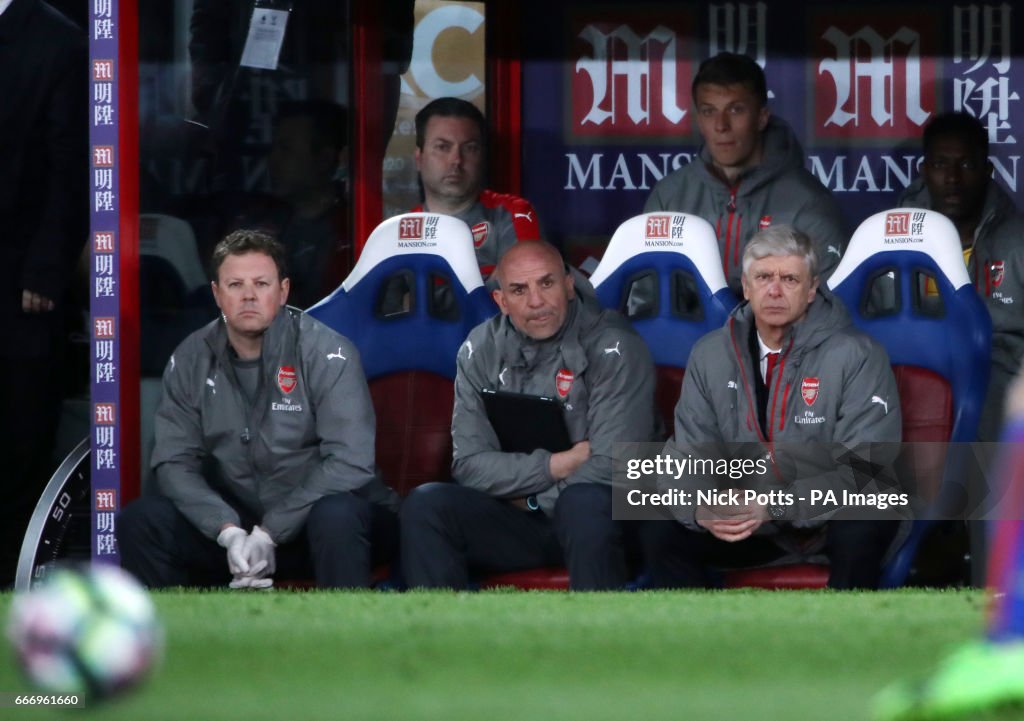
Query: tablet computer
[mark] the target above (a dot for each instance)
(524, 423)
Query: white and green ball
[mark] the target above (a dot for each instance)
(89, 631)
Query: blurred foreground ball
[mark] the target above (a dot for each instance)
(89, 631)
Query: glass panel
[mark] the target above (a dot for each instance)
(448, 60)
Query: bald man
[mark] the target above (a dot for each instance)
(510, 511)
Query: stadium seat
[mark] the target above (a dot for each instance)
(663, 271)
(408, 304)
(904, 282)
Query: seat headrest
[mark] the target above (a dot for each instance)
(673, 233)
(420, 234)
(905, 230)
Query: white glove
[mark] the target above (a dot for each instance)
(247, 581)
(259, 553)
(233, 539)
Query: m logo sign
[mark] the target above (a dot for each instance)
(878, 77)
(632, 74)
(410, 229)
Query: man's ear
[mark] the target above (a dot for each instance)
(763, 117)
(286, 285)
(499, 298)
(215, 289)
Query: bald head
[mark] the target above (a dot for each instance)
(539, 250)
(534, 288)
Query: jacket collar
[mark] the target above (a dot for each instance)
(217, 336)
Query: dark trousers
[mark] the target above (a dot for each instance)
(344, 537)
(677, 557)
(29, 416)
(451, 532)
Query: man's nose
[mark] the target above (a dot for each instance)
(534, 297)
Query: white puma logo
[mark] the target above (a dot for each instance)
(501, 376)
(528, 216)
(732, 385)
(209, 382)
(833, 249)
(876, 399)
(614, 349)
(469, 349)
(336, 355)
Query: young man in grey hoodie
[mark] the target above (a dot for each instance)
(791, 386)
(750, 172)
(956, 180)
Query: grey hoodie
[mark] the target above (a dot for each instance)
(611, 398)
(779, 190)
(996, 268)
(833, 391)
(283, 451)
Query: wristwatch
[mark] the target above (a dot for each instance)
(531, 503)
(777, 513)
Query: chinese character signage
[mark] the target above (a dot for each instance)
(104, 302)
(607, 110)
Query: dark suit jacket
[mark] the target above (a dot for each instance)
(43, 166)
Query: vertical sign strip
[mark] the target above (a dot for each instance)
(104, 278)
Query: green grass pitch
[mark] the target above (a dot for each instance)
(737, 655)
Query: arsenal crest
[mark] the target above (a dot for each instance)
(563, 382)
(766, 220)
(809, 390)
(287, 379)
(997, 270)
(480, 233)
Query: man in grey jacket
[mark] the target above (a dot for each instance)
(511, 511)
(956, 180)
(790, 385)
(264, 447)
(749, 173)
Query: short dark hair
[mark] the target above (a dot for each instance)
(732, 69)
(328, 120)
(240, 242)
(448, 108)
(959, 124)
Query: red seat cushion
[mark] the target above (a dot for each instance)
(926, 402)
(414, 437)
(793, 577)
(534, 579)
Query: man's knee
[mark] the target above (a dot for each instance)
(142, 519)
(340, 514)
(585, 508)
(427, 504)
(861, 538)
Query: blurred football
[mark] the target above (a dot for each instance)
(89, 631)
